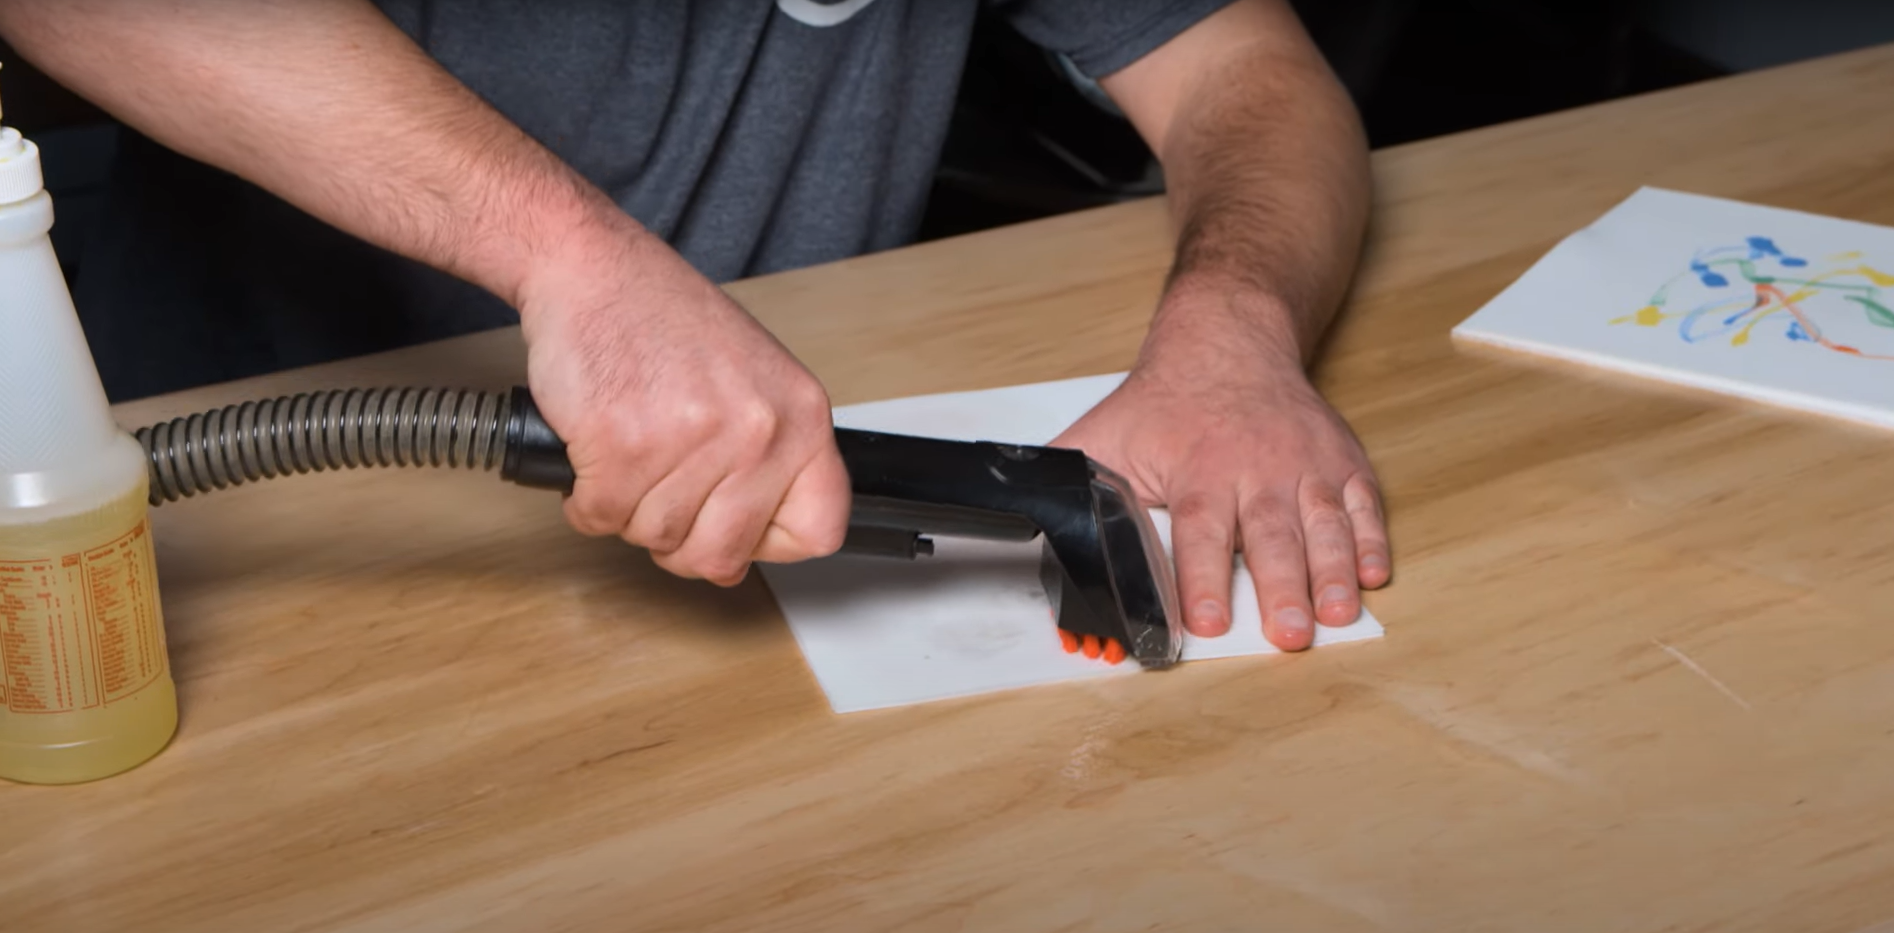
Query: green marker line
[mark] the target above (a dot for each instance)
(1877, 313)
(1748, 271)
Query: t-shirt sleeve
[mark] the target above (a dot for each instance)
(1102, 36)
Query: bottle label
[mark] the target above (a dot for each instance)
(82, 630)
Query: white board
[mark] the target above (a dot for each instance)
(1770, 304)
(973, 618)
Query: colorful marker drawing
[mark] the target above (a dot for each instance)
(1731, 291)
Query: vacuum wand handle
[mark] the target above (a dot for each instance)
(535, 457)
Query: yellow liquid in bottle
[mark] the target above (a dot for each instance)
(85, 680)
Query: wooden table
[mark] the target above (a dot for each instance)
(1639, 672)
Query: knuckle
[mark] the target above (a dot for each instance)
(1265, 513)
(591, 526)
(1332, 558)
(808, 400)
(754, 422)
(818, 414)
(666, 531)
(1193, 509)
(723, 568)
(634, 539)
(1265, 530)
(1363, 496)
(590, 515)
(1325, 517)
(692, 420)
(673, 566)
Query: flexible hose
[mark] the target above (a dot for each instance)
(332, 430)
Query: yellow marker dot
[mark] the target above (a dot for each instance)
(1649, 316)
(1742, 337)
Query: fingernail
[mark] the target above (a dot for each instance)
(1374, 562)
(1208, 618)
(1292, 621)
(1334, 596)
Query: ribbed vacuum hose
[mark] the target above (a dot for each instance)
(332, 430)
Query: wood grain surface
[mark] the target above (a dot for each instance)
(1639, 671)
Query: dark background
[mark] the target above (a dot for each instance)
(1029, 142)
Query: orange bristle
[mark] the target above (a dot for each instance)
(1114, 651)
(1092, 647)
(1069, 640)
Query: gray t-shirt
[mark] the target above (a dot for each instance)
(754, 136)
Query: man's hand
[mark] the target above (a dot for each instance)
(1230, 436)
(691, 430)
(1266, 170)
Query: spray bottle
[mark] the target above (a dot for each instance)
(85, 683)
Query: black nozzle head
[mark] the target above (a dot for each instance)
(1110, 580)
(1103, 566)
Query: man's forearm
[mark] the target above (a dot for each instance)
(1269, 187)
(1267, 174)
(328, 105)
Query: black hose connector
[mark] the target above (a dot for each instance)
(535, 457)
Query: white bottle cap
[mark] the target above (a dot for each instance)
(19, 167)
(58, 442)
